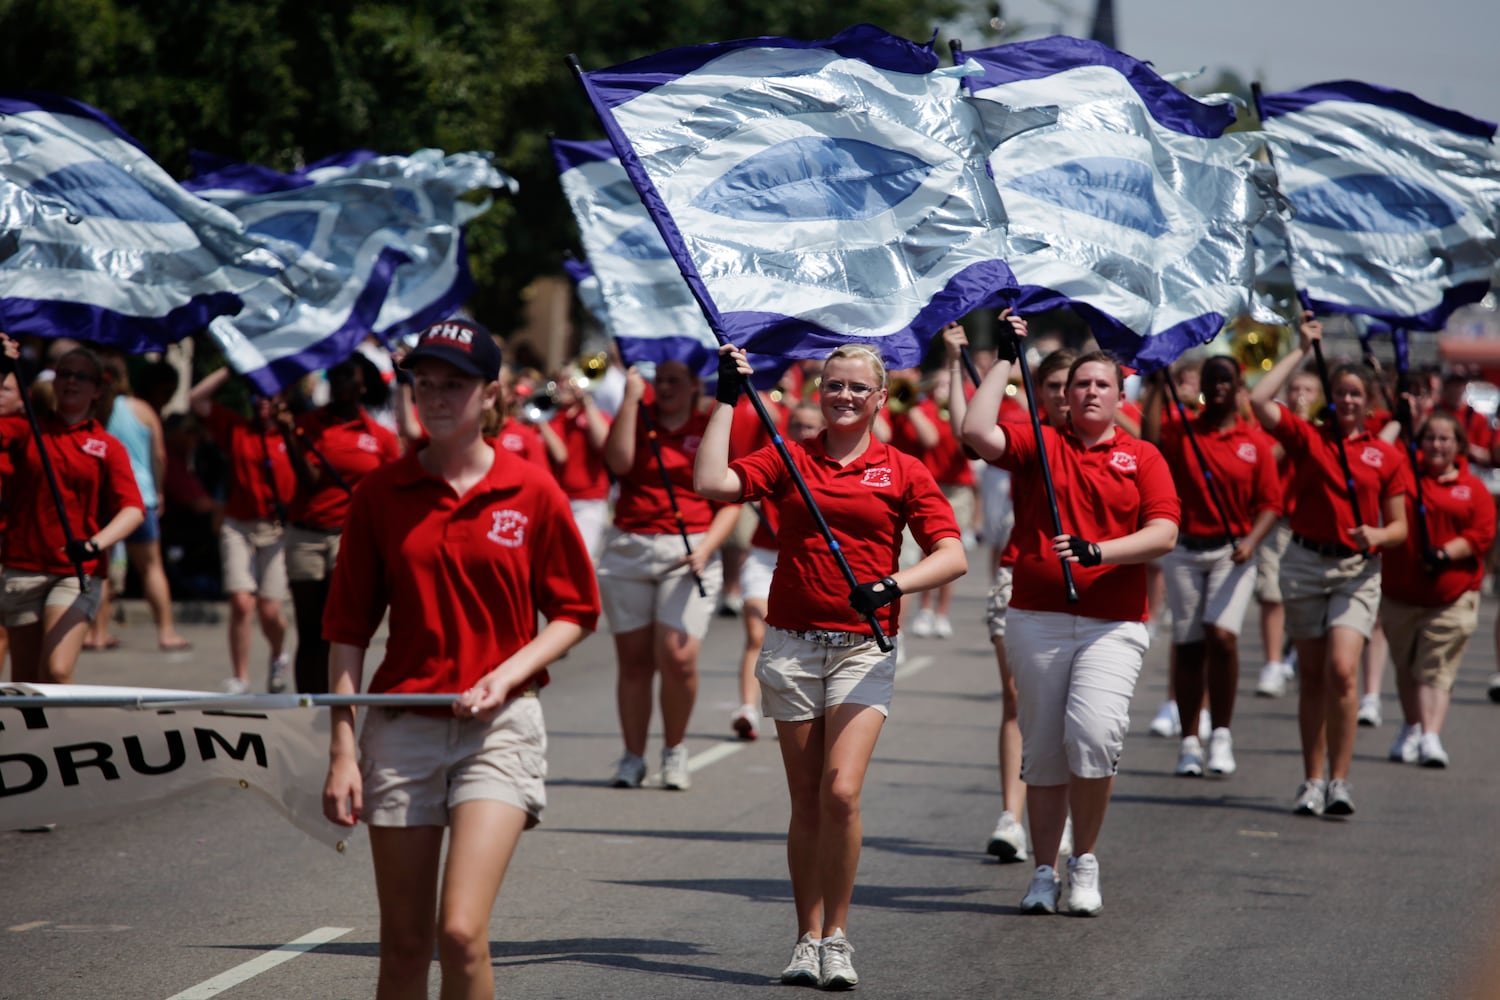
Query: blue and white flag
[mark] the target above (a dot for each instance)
(98, 242)
(374, 245)
(1395, 202)
(1126, 200)
(813, 193)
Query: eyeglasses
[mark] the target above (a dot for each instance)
(856, 389)
(66, 374)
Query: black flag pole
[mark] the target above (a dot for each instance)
(666, 482)
(1041, 451)
(673, 238)
(1208, 475)
(1404, 415)
(51, 474)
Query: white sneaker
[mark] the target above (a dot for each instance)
(1369, 711)
(1083, 886)
(942, 627)
(805, 966)
(1008, 842)
(1406, 749)
(1339, 800)
(1166, 724)
(1065, 846)
(236, 686)
(1431, 753)
(629, 772)
(1041, 897)
(745, 722)
(1311, 795)
(1190, 758)
(1272, 682)
(276, 676)
(1494, 687)
(674, 768)
(838, 963)
(923, 624)
(1221, 752)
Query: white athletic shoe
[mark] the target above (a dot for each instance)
(1431, 753)
(805, 966)
(1008, 842)
(923, 624)
(236, 686)
(1041, 897)
(1084, 899)
(1221, 752)
(1190, 758)
(276, 674)
(1408, 743)
(1369, 711)
(942, 627)
(674, 769)
(1166, 724)
(838, 963)
(629, 772)
(1273, 677)
(1311, 796)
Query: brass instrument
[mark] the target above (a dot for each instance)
(903, 395)
(541, 405)
(1256, 346)
(587, 370)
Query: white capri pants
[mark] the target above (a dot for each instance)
(1206, 588)
(1074, 680)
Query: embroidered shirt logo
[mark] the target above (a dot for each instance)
(1122, 460)
(877, 478)
(1371, 456)
(509, 528)
(97, 447)
(1462, 493)
(691, 442)
(367, 442)
(1247, 453)
(513, 442)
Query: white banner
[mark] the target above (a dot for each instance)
(72, 764)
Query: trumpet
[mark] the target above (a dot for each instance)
(903, 395)
(540, 406)
(587, 370)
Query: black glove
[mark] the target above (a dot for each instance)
(866, 599)
(1007, 344)
(1087, 552)
(730, 380)
(81, 550)
(1435, 560)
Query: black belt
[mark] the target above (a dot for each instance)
(1325, 548)
(304, 526)
(1194, 543)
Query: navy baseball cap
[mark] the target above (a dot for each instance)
(463, 343)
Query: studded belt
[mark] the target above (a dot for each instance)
(827, 637)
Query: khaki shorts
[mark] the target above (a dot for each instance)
(1206, 588)
(755, 575)
(1324, 592)
(961, 498)
(591, 517)
(311, 553)
(254, 558)
(1268, 556)
(999, 513)
(640, 584)
(1430, 642)
(1074, 680)
(998, 601)
(418, 767)
(801, 680)
(744, 528)
(23, 595)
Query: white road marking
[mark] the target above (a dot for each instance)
(18, 928)
(232, 978)
(714, 754)
(915, 665)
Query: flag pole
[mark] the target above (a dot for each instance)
(210, 701)
(666, 482)
(1041, 451)
(673, 238)
(1208, 476)
(1404, 415)
(51, 474)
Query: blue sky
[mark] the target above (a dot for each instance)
(1445, 51)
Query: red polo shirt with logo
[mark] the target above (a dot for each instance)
(93, 474)
(464, 577)
(1456, 507)
(1242, 465)
(354, 449)
(643, 507)
(947, 462)
(1108, 491)
(524, 441)
(250, 476)
(583, 476)
(866, 503)
(1322, 512)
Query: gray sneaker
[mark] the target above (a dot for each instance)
(1041, 897)
(630, 772)
(674, 768)
(838, 963)
(805, 967)
(276, 676)
(1310, 797)
(1339, 801)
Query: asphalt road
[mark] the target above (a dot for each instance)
(1212, 888)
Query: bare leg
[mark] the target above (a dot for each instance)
(1187, 675)
(1434, 707)
(241, 605)
(406, 881)
(677, 658)
(944, 599)
(63, 632)
(755, 637)
(4, 648)
(26, 654)
(272, 624)
(481, 843)
(1272, 629)
(1047, 813)
(1312, 712)
(802, 757)
(1222, 662)
(1341, 700)
(146, 557)
(849, 739)
(1406, 688)
(1088, 799)
(635, 673)
(1012, 788)
(1376, 652)
(98, 633)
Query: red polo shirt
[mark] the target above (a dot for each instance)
(1322, 512)
(1457, 507)
(1477, 426)
(642, 507)
(354, 449)
(464, 577)
(524, 441)
(583, 476)
(947, 462)
(747, 433)
(1108, 491)
(93, 473)
(1243, 468)
(250, 477)
(866, 503)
